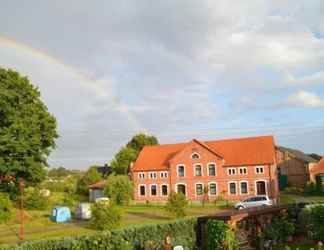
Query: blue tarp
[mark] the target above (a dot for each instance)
(61, 214)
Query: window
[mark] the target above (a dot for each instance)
(232, 188)
(198, 170)
(199, 189)
(181, 171)
(164, 190)
(153, 175)
(243, 170)
(212, 189)
(195, 156)
(259, 170)
(244, 187)
(142, 190)
(231, 171)
(153, 190)
(141, 175)
(163, 174)
(211, 170)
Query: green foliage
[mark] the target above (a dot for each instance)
(280, 228)
(313, 189)
(123, 159)
(105, 216)
(317, 219)
(6, 209)
(230, 240)
(27, 130)
(182, 233)
(129, 153)
(33, 199)
(90, 177)
(61, 172)
(119, 189)
(177, 204)
(216, 234)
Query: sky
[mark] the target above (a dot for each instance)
(176, 69)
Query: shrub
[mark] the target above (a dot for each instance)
(177, 204)
(105, 216)
(119, 189)
(33, 199)
(6, 209)
(317, 219)
(294, 190)
(310, 189)
(216, 234)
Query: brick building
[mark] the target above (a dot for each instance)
(234, 168)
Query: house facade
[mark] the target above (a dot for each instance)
(316, 173)
(232, 169)
(295, 165)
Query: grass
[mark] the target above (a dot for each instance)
(299, 246)
(39, 226)
(286, 198)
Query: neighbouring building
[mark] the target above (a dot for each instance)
(295, 165)
(234, 169)
(317, 172)
(96, 190)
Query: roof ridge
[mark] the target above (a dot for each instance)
(241, 138)
(209, 148)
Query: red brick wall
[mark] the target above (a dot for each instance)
(221, 179)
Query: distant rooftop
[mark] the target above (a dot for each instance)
(299, 154)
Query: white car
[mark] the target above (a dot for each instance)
(256, 201)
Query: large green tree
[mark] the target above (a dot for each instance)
(129, 153)
(27, 129)
(90, 177)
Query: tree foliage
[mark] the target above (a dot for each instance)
(27, 129)
(6, 208)
(129, 153)
(119, 189)
(105, 216)
(34, 199)
(177, 204)
(90, 177)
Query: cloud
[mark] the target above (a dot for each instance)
(305, 99)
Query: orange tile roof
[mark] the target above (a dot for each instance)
(98, 185)
(236, 152)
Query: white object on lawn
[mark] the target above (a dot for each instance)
(83, 211)
(178, 248)
(102, 199)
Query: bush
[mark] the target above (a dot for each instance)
(216, 234)
(177, 204)
(105, 216)
(312, 189)
(34, 200)
(6, 209)
(294, 190)
(119, 189)
(182, 233)
(317, 219)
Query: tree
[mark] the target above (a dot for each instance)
(129, 153)
(90, 177)
(105, 216)
(177, 204)
(59, 172)
(27, 129)
(119, 188)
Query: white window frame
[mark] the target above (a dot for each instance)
(213, 182)
(259, 167)
(141, 175)
(229, 187)
(201, 167)
(164, 174)
(161, 194)
(157, 191)
(202, 184)
(184, 170)
(195, 153)
(229, 170)
(243, 168)
(212, 163)
(265, 183)
(153, 175)
(139, 190)
(247, 187)
(180, 183)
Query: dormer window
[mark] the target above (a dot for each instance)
(195, 156)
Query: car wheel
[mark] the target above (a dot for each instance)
(240, 207)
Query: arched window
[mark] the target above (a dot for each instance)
(195, 156)
(181, 171)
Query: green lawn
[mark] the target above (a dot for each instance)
(39, 226)
(286, 198)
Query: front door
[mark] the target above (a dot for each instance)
(261, 188)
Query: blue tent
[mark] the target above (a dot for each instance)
(61, 214)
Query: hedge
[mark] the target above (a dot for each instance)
(182, 232)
